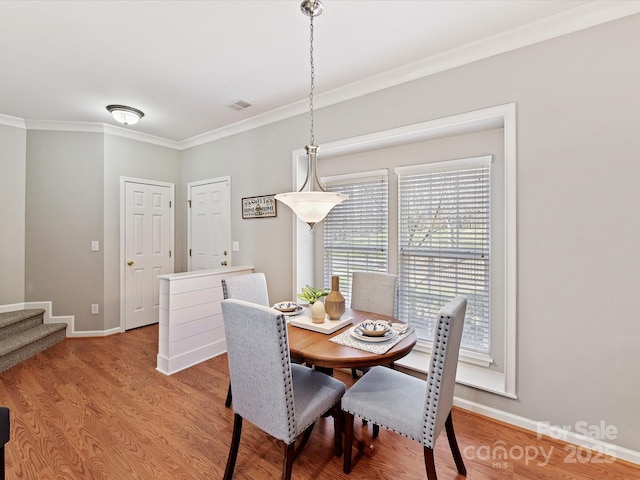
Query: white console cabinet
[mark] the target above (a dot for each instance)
(191, 329)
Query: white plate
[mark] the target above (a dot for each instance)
(286, 307)
(357, 333)
(374, 328)
(297, 311)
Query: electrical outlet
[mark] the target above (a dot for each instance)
(95, 309)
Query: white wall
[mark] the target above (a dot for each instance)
(64, 208)
(12, 209)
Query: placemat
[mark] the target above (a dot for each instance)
(348, 340)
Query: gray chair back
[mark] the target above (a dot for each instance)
(260, 368)
(250, 287)
(374, 292)
(442, 370)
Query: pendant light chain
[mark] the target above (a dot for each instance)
(313, 205)
(313, 76)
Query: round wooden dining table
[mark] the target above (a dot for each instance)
(314, 348)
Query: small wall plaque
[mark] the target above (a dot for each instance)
(259, 207)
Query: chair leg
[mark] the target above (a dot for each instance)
(289, 457)
(430, 464)
(376, 430)
(348, 441)
(235, 444)
(354, 373)
(453, 443)
(304, 438)
(338, 422)
(227, 402)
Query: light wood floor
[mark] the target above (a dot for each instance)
(97, 409)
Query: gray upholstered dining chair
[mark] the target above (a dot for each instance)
(281, 398)
(373, 292)
(250, 287)
(412, 407)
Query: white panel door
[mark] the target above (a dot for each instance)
(148, 243)
(209, 225)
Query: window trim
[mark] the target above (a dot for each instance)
(501, 116)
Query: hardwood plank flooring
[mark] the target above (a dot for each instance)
(96, 408)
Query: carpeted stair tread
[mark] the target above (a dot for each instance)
(24, 334)
(21, 339)
(12, 323)
(10, 318)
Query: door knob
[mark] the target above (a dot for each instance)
(130, 262)
(224, 264)
(225, 252)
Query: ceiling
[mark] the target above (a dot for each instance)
(185, 62)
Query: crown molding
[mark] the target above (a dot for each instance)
(59, 126)
(10, 121)
(569, 21)
(141, 137)
(89, 127)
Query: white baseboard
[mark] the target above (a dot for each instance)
(600, 449)
(96, 333)
(46, 317)
(68, 319)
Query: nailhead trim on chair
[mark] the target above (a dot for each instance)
(434, 381)
(286, 370)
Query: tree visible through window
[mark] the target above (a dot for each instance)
(444, 245)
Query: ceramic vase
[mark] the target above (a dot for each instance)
(334, 303)
(317, 312)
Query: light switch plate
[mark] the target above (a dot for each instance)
(235, 246)
(95, 245)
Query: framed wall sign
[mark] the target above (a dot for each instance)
(259, 207)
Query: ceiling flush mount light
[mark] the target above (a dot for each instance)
(313, 204)
(125, 115)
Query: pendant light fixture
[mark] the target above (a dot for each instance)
(313, 204)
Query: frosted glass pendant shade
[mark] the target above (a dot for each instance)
(311, 207)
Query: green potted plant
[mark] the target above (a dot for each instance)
(312, 296)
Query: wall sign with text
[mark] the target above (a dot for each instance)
(259, 207)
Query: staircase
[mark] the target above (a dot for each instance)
(23, 334)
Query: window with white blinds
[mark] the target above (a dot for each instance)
(444, 213)
(355, 232)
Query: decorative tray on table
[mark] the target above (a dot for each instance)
(328, 326)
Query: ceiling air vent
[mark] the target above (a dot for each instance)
(240, 105)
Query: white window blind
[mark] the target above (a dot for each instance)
(444, 245)
(355, 232)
